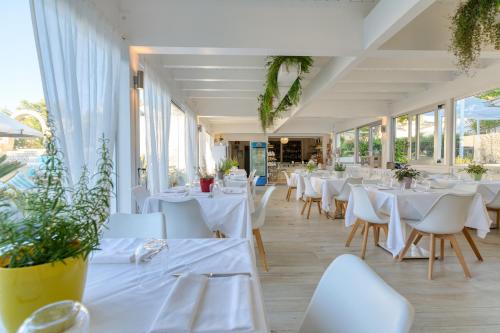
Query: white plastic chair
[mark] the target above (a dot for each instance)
(343, 197)
(254, 184)
(140, 194)
(352, 298)
(290, 185)
(310, 196)
(258, 219)
(184, 219)
(367, 216)
(252, 174)
(493, 204)
(446, 218)
(135, 226)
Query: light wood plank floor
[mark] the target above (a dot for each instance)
(299, 250)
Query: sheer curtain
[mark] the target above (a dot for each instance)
(79, 54)
(157, 111)
(205, 154)
(191, 146)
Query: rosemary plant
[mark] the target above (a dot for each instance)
(53, 222)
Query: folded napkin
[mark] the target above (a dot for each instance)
(232, 190)
(108, 257)
(227, 306)
(178, 313)
(178, 189)
(117, 251)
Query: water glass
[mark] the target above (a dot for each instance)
(63, 317)
(151, 262)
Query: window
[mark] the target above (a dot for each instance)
(363, 144)
(420, 137)
(346, 146)
(370, 145)
(177, 141)
(477, 128)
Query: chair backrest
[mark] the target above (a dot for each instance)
(135, 226)
(491, 199)
(363, 207)
(288, 180)
(346, 188)
(448, 214)
(352, 298)
(184, 218)
(254, 184)
(259, 216)
(252, 174)
(140, 194)
(309, 189)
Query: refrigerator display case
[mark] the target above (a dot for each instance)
(258, 161)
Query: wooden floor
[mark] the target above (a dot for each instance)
(299, 250)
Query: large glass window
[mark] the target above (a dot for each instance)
(177, 141)
(477, 128)
(426, 123)
(363, 144)
(346, 146)
(401, 139)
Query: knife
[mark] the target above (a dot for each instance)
(217, 275)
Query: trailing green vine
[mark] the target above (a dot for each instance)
(473, 26)
(268, 112)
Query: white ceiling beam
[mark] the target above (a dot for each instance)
(407, 64)
(382, 23)
(363, 87)
(430, 54)
(220, 85)
(397, 76)
(239, 75)
(356, 96)
(188, 61)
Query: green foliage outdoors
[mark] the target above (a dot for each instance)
(7, 167)
(268, 112)
(53, 222)
(475, 169)
(39, 107)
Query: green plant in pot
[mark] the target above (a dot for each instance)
(226, 165)
(311, 166)
(476, 171)
(339, 169)
(405, 176)
(47, 233)
(475, 24)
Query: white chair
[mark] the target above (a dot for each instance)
(135, 226)
(252, 174)
(367, 216)
(446, 218)
(310, 196)
(254, 184)
(352, 298)
(258, 219)
(343, 197)
(184, 219)
(290, 184)
(140, 194)
(493, 205)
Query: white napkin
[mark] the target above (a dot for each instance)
(179, 311)
(227, 306)
(109, 257)
(117, 251)
(232, 190)
(178, 189)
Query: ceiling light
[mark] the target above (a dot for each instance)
(284, 141)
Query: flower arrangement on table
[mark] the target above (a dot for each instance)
(405, 175)
(476, 170)
(226, 165)
(311, 166)
(206, 179)
(339, 167)
(48, 232)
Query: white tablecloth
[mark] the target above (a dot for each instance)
(228, 213)
(415, 205)
(298, 178)
(328, 187)
(117, 303)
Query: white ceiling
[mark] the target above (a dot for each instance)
(368, 55)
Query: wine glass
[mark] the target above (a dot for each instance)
(63, 316)
(151, 261)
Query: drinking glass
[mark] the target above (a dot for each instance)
(64, 317)
(151, 262)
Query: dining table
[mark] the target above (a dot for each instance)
(414, 204)
(328, 187)
(192, 285)
(228, 210)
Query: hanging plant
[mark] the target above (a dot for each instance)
(473, 26)
(268, 112)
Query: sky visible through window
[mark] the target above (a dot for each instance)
(20, 74)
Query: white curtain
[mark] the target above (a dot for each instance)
(205, 154)
(157, 110)
(191, 146)
(80, 56)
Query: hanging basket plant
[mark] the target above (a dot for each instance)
(272, 103)
(474, 25)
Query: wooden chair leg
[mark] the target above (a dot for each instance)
(319, 207)
(353, 232)
(432, 255)
(414, 233)
(288, 194)
(460, 256)
(472, 244)
(386, 231)
(365, 240)
(417, 239)
(376, 234)
(309, 209)
(441, 249)
(260, 247)
(304, 207)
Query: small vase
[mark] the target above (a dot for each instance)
(339, 174)
(406, 182)
(205, 184)
(478, 176)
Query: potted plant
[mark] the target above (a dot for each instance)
(47, 233)
(205, 180)
(225, 166)
(474, 25)
(405, 176)
(476, 171)
(339, 169)
(311, 166)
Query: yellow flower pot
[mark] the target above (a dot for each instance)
(26, 289)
